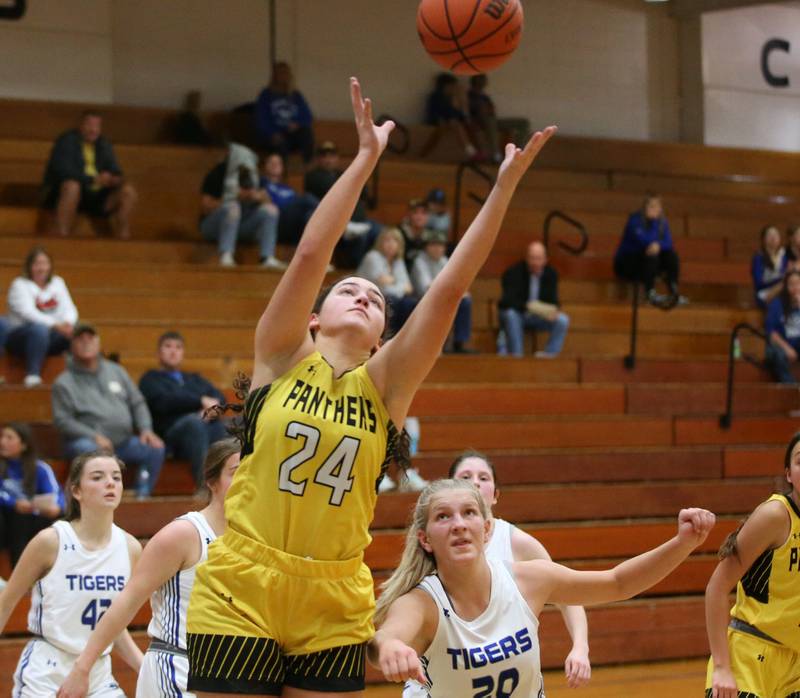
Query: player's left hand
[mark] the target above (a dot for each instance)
(577, 667)
(372, 139)
(694, 525)
(518, 160)
(76, 685)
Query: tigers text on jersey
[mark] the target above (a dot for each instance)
(170, 602)
(68, 602)
(768, 595)
(315, 449)
(496, 654)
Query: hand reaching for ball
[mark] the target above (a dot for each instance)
(518, 160)
(372, 139)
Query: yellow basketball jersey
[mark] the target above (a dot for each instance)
(768, 595)
(315, 449)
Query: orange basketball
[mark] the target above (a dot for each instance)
(469, 36)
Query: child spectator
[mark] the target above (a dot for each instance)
(445, 110)
(294, 209)
(438, 212)
(83, 175)
(646, 251)
(283, 118)
(30, 497)
(384, 265)
(485, 123)
(41, 315)
(234, 207)
(782, 327)
(177, 401)
(413, 227)
(427, 266)
(768, 267)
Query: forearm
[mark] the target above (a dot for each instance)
(110, 629)
(643, 571)
(129, 651)
(717, 618)
(577, 625)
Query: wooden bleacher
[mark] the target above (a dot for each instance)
(592, 459)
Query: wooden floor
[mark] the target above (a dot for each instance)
(660, 680)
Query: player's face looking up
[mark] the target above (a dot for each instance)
(100, 485)
(478, 472)
(456, 529)
(355, 306)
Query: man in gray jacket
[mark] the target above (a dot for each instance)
(97, 407)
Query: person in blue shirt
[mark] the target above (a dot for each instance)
(768, 267)
(30, 496)
(283, 119)
(294, 209)
(646, 252)
(782, 328)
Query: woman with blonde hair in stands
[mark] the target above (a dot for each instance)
(165, 574)
(76, 567)
(464, 625)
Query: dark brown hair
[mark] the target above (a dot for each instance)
(786, 299)
(28, 458)
(326, 291)
(217, 456)
(472, 453)
(170, 334)
(72, 510)
(763, 237)
(31, 258)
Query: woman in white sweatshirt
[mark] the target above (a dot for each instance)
(41, 314)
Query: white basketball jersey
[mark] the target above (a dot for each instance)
(496, 654)
(170, 602)
(68, 602)
(499, 545)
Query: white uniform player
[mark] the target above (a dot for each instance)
(66, 605)
(166, 667)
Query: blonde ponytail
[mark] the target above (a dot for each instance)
(416, 563)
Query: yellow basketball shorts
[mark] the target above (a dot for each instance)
(762, 669)
(260, 619)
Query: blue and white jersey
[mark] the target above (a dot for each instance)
(68, 602)
(495, 654)
(170, 602)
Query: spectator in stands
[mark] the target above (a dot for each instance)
(283, 118)
(177, 400)
(793, 245)
(234, 207)
(83, 175)
(427, 265)
(96, 406)
(445, 110)
(384, 265)
(646, 252)
(491, 131)
(189, 127)
(413, 227)
(438, 212)
(361, 232)
(783, 330)
(41, 315)
(768, 267)
(30, 496)
(294, 209)
(530, 302)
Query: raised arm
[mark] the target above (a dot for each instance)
(400, 367)
(282, 336)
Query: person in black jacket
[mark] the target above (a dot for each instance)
(530, 302)
(177, 400)
(83, 175)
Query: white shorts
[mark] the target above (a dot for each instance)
(42, 669)
(413, 689)
(163, 675)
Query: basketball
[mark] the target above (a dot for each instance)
(468, 37)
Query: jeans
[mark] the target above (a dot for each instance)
(514, 323)
(3, 333)
(350, 251)
(646, 268)
(189, 437)
(294, 216)
(462, 325)
(34, 342)
(779, 364)
(400, 308)
(131, 452)
(234, 221)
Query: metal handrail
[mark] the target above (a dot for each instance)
(478, 170)
(726, 418)
(629, 361)
(575, 250)
(373, 189)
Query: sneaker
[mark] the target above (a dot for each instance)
(545, 355)
(413, 481)
(683, 300)
(386, 485)
(656, 298)
(355, 230)
(330, 269)
(226, 260)
(142, 485)
(273, 263)
(32, 381)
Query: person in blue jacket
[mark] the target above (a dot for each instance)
(30, 496)
(646, 252)
(768, 267)
(283, 119)
(782, 327)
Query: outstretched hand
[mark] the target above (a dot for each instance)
(694, 525)
(372, 139)
(518, 160)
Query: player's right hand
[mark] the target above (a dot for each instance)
(399, 662)
(76, 685)
(723, 684)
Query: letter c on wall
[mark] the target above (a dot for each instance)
(769, 76)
